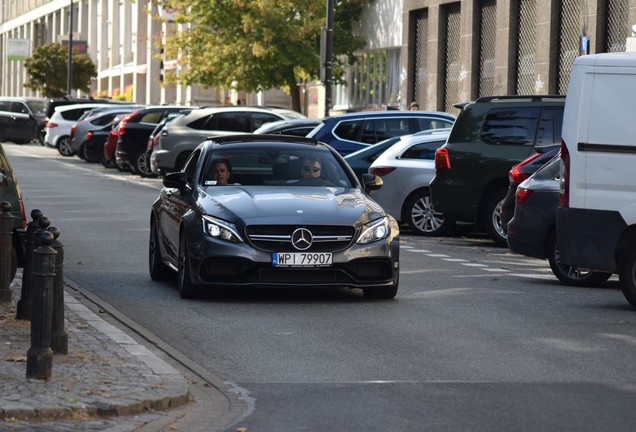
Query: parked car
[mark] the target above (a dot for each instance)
(596, 220)
(407, 168)
(519, 173)
(490, 136)
(532, 230)
(21, 119)
(295, 127)
(58, 127)
(153, 139)
(95, 139)
(360, 160)
(109, 160)
(179, 138)
(354, 131)
(10, 192)
(93, 122)
(133, 133)
(270, 226)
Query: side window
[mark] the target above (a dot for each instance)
(152, 117)
(232, 121)
(391, 127)
(549, 130)
(510, 126)
(4, 105)
(423, 150)
(259, 119)
(203, 123)
(368, 133)
(349, 130)
(427, 123)
(74, 114)
(19, 107)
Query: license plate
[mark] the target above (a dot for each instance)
(301, 259)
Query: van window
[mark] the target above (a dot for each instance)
(510, 126)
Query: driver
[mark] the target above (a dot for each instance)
(310, 167)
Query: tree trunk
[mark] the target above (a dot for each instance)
(294, 94)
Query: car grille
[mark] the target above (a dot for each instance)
(277, 238)
(244, 272)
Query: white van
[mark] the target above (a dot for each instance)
(596, 221)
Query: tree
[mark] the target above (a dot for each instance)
(259, 44)
(47, 70)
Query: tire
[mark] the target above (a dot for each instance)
(570, 275)
(386, 293)
(158, 270)
(187, 289)
(627, 276)
(88, 156)
(492, 218)
(142, 165)
(423, 219)
(102, 158)
(64, 146)
(80, 152)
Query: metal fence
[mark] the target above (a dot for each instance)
(487, 45)
(570, 32)
(452, 64)
(526, 47)
(420, 74)
(616, 26)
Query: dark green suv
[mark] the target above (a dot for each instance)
(10, 192)
(489, 137)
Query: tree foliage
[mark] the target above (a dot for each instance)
(260, 44)
(47, 70)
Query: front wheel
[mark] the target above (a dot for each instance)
(627, 276)
(423, 219)
(187, 289)
(571, 275)
(64, 146)
(492, 218)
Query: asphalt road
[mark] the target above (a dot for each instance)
(477, 338)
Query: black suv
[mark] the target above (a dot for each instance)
(22, 120)
(490, 136)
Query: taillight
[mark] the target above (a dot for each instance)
(516, 174)
(122, 124)
(50, 124)
(89, 135)
(522, 195)
(73, 130)
(442, 160)
(564, 197)
(381, 171)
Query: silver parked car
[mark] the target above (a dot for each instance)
(181, 136)
(406, 169)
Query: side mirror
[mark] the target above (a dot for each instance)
(371, 182)
(176, 180)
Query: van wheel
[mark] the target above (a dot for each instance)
(492, 218)
(64, 146)
(569, 275)
(422, 218)
(627, 276)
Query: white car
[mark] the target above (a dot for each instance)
(58, 127)
(407, 168)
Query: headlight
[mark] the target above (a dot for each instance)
(220, 229)
(374, 231)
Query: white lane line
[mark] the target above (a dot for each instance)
(437, 255)
(474, 265)
(455, 260)
(419, 250)
(496, 270)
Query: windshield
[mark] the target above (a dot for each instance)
(275, 166)
(37, 106)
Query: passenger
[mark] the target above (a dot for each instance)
(311, 168)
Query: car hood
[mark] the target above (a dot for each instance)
(263, 205)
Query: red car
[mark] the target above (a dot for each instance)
(109, 148)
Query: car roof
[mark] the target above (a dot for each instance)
(416, 138)
(253, 139)
(387, 114)
(86, 106)
(281, 124)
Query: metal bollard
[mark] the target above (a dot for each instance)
(59, 336)
(6, 238)
(40, 355)
(24, 304)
